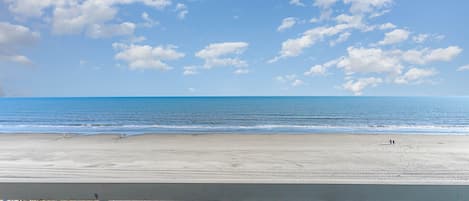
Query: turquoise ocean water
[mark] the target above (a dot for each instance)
(137, 115)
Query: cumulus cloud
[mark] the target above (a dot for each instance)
(463, 68)
(287, 23)
(357, 86)
(376, 60)
(141, 57)
(320, 69)
(395, 36)
(223, 54)
(94, 18)
(316, 70)
(415, 75)
(295, 46)
(367, 6)
(390, 64)
(296, 3)
(14, 37)
(324, 3)
(427, 55)
(370, 66)
(370, 60)
(387, 26)
(31, 8)
(182, 10)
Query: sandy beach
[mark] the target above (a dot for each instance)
(222, 158)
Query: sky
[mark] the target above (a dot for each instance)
(62, 48)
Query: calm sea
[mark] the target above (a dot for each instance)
(409, 115)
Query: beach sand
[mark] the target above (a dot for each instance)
(234, 158)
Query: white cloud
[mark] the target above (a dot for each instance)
(141, 57)
(148, 21)
(367, 6)
(296, 3)
(372, 60)
(182, 10)
(439, 37)
(90, 17)
(31, 8)
(353, 22)
(223, 54)
(387, 26)
(324, 4)
(285, 78)
(241, 71)
(191, 89)
(379, 13)
(430, 55)
(391, 63)
(342, 38)
(376, 60)
(297, 83)
(395, 36)
(326, 11)
(94, 18)
(16, 59)
(357, 86)
(415, 75)
(463, 68)
(316, 70)
(14, 37)
(443, 54)
(320, 69)
(287, 23)
(421, 38)
(294, 47)
(102, 31)
(291, 79)
(190, 70)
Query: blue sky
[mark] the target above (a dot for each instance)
(224, 48)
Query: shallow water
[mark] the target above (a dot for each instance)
(135, 115)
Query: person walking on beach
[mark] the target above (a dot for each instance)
(393, 142)
(390, 141)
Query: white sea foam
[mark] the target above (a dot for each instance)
(103, 128)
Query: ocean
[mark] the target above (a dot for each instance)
(139, 115)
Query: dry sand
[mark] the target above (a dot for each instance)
(298, 159)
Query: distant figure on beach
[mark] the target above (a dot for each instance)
(390, 141)
(393, 142)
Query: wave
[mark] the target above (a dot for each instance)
(102, 128)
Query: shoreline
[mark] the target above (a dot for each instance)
(226, 133)
(235, 158)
